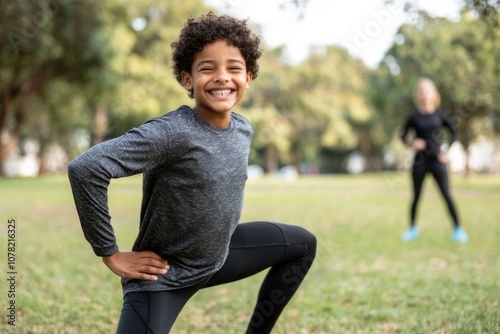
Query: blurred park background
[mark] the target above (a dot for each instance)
(75, 73)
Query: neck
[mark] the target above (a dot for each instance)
(218, 121)
(426, 109)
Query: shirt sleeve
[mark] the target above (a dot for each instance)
(139, 150)
(450, 124)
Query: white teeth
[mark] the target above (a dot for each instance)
(221, 92)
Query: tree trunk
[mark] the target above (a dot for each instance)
(15, 98)
(466, 141)
(297, 160)
(100, 125)
(468, 171)
(42, 141)
(365, 147)
(11, 140)
(4, 111)
(271, 159)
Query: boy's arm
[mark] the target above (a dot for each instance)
(89, 181)
(135, 152)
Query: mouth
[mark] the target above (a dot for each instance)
(221, 92)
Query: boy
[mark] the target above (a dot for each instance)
(194, 162)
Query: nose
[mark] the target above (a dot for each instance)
(222, 76)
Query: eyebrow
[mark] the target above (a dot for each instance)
(211, 62)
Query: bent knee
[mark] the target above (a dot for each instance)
(298, 235)
(311, 244)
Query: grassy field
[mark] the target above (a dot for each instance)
(364, 279)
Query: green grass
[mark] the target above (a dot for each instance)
(364, 279)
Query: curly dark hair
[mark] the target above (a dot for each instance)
(207, 29)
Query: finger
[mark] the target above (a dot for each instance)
(152, 270)
(147, 272)
(144, 263)
(143, 276)
(152, 255)
(142, 273)
(159, 264)
(156, 260)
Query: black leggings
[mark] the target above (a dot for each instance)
(286, 249)
(438, 170)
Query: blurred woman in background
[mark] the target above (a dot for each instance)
(430, 153)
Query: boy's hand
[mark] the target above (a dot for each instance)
(143, 265)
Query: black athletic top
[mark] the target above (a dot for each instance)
(428, 127)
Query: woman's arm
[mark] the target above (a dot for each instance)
(404, 131)
(450, 124)
(417, 144)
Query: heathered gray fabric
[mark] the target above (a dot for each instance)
(193, 184)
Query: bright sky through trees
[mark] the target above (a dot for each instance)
(365, 27)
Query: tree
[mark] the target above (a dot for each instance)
(298, 111)
(333, 87)
(457, 56)
(85, 65)
(142, 62)
(263, 107)
(42, 42)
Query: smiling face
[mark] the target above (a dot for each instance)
(219, 80)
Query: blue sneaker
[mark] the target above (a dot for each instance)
(410, 234)
(459, 235)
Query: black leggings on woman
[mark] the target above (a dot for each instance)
(286, 249)
(438, 170)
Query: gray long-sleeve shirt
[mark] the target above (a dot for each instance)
(193, 184)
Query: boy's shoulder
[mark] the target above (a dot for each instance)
(165, 125)
(183, 119)
(180, 112)
(175, 117)
(239, 117)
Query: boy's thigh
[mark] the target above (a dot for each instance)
(153, 311)
(257, 246)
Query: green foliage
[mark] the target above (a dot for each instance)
(99, 68)
(311, 104)
(364, 279)
(43, 42)
(457, 56)
(64, 58)
(143, 60)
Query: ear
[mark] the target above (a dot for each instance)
(249, 79)
(187, 80)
